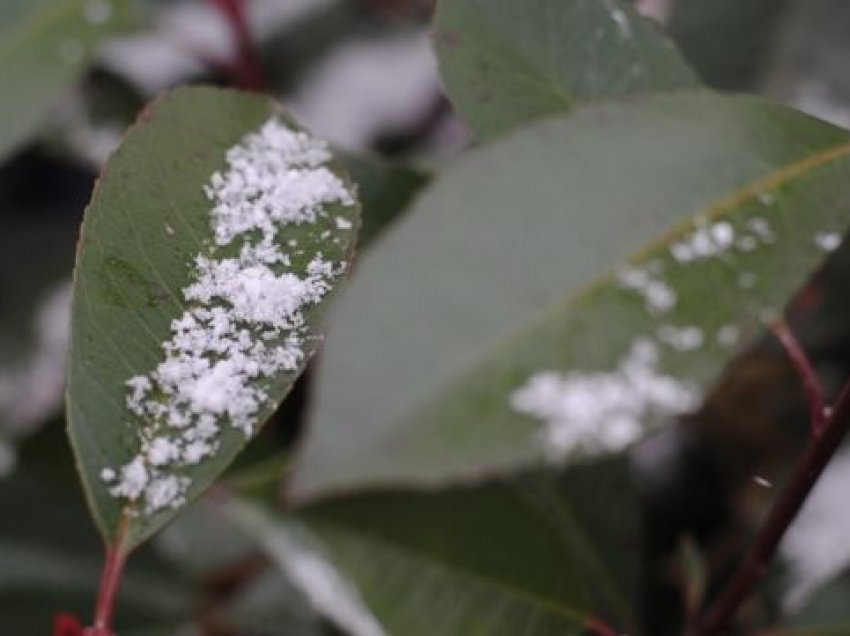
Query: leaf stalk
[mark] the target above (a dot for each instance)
(110, 584)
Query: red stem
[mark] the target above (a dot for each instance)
(599, 627)
(247, 66)
(784, 511)
(811, 383)
(110, 584)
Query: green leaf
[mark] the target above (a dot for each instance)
(271, 605)
(298, 557)
(386, 189)
(729, 42)
(539, 554)
(148, 223)
(824, 613)
(507, 62)
(45, 46)
(484, 283)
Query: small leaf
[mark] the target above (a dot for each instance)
(507, 62)
(484, 285)
(206, 258)
(45, 46)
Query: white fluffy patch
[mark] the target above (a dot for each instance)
(601, 411)
(244, 321)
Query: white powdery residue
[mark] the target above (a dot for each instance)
(706, 241)
(245, 320)
(134, 479)
(601, 411)
(274, 177)
(816, 546)
(681, 338)
(828, 241)
(657, 295)
(165, 492)
(343, 224)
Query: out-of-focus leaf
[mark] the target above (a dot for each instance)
(201, 543)
(273, 606)
(728, 42)
(824, 614)
(506, 62)
(50, 561)
(148, 224)
(38, 233)
(296, 555)
(484, 284)
(45, 46)
(535, 555)
(385, 189)
(806, 67)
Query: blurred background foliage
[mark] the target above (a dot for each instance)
(670, 518)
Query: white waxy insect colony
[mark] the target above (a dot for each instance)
(245, 319)
(602, 411)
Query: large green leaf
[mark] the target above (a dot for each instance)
(45, 45)
(139, 286)
(506, 62)
(538, 554)
(484, 283)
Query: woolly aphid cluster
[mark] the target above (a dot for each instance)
(244, 322)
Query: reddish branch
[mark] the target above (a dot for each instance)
(246, 65)
(810, 380)
(835, 423)
(599, 627)
(110, 583)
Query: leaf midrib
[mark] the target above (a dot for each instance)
(719, 209)
(33, 26)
